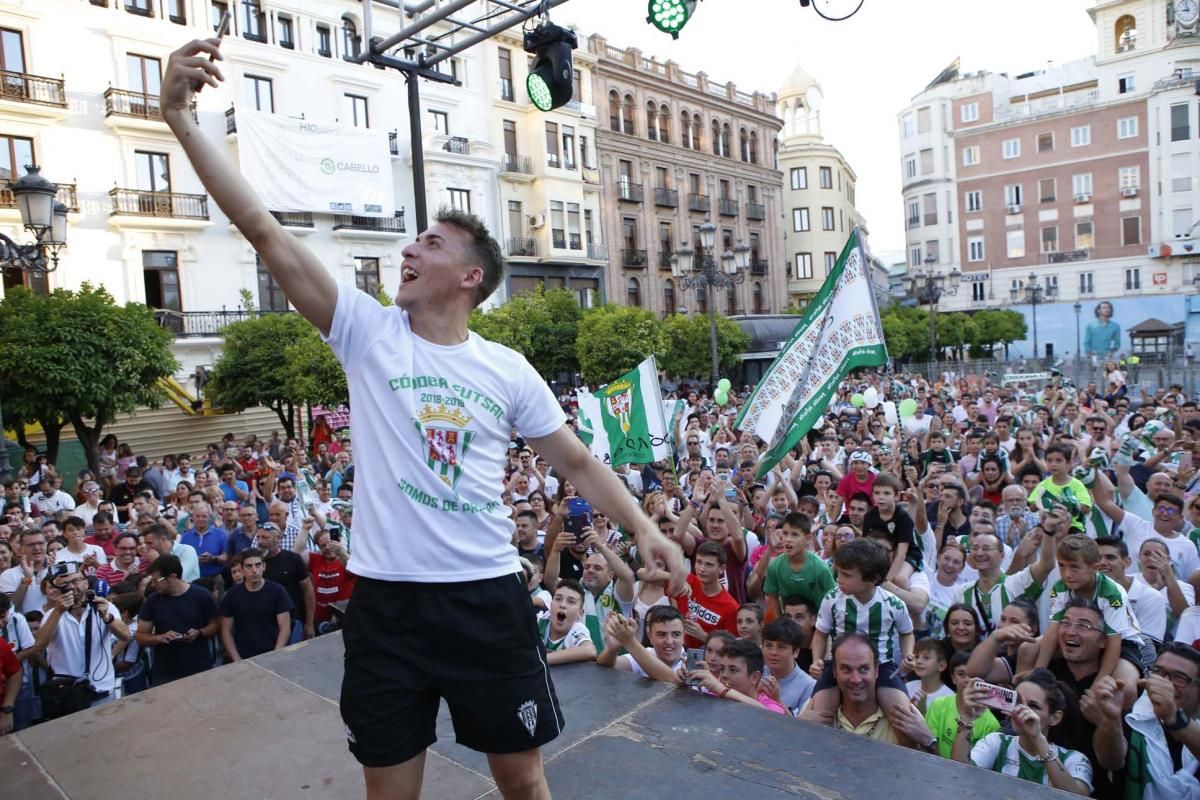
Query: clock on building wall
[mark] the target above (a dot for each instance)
(1187, 15)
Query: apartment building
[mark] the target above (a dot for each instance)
(818, 190)
(1080, 174)
(81, 101)
(676, 150)
(549, 187)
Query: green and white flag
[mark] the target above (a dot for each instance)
(623, 422)
(840, 331)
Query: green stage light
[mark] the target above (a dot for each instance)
(550, 83)
(669, 16)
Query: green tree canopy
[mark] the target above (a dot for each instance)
(995, 326)
(78, 357)
(687, 351)
(277, 361)
(906, 331)
(615, 339)
(541, 325)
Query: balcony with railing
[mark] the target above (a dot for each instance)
(122, 107)
(515, 165)
(666, 198)
(729, 207)
(597, 252)
(1047, 106)
(385, 226)
(699, 203)
(294, 219)
(633, 259)
(756, 211)
(1067, 256)
(458, 145)
(574, 241)
(194, 324)
(66, 195)
(159, 205)
(558, 240)
(521, 247)
(664, 258)
(630, 192)
(758, 266)
(21, 87)
(552, 160)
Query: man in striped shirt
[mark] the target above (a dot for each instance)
(993, 590)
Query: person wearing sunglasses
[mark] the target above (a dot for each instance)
(1155, 746)
(1168, 512)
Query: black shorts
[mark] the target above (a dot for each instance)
(475, 644)
(888, 677)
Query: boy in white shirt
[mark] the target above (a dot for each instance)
(562, 630)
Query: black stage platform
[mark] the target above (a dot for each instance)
(269, 729)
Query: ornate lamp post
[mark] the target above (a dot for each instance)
(1035, 294)
(928, 286)
(701, 271)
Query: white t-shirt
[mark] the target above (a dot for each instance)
(66, 650)
(66, 556)
(1149, 608)
(431, 430)
(1184, 559)
(10, 581)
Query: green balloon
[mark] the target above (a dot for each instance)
(721, 396)
(724, 384)
(857, 400)
(908, 407)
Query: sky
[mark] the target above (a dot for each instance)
(869, 66)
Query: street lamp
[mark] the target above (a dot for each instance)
(1035, 294)
(928, 286)
(46, 219)
(42, 216)
(1078, 308)
(707, 276)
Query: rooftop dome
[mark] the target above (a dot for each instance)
(798, 83)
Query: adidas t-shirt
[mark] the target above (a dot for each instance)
(431, 428)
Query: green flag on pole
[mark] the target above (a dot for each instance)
(839, 331)
(623, 422)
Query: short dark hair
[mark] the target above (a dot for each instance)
(1183, 651)
(748, 651)
(1086, 603)
(784, 630)
(249, 552)
(572, 585)
(755, 607)
(167, 565)
(1114, 541)
(800, 600)
(658, 615)
(74, 522)
(869, 557)
(711, 548)
(1064, 450)
(158, 531)
(798, 520)
(102, 516)
(528, 512)
(481, 245)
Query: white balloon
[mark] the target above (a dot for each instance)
(889, 413)
(871, 397)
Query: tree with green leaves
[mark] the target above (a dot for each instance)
(542, 325)
(955, 331)
(78, 357)
(906, 332)
(615, 339)
(995, 326)
(275, 360)
(687, 349)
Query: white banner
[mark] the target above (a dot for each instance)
(296, 165)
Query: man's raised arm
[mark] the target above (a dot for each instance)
(303, 278)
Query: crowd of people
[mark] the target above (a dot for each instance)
(1006, 577)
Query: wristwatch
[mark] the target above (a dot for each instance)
(931, 746)
(6, 709)
(1182, 720)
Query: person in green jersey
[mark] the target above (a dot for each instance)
(994, 590)
(1079, 565)
(796, 573)
(1064, 486)
(1029, 755)
(945, 716)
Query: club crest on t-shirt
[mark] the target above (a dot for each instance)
(445, 440)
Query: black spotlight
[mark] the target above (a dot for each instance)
(550, 83)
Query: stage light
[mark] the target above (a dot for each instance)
(550, 83)
(669, 16)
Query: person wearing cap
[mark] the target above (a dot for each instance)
(860, 478)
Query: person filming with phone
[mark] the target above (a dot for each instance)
(78, 636)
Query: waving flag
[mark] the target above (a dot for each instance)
(623, 422)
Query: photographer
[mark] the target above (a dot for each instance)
(78, 635)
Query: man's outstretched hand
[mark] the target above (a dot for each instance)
(190, 69)
(653, 545)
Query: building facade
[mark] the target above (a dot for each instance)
(140, 222)
(1081, 175)
(549, 189)
(676, 150)
(818, 190)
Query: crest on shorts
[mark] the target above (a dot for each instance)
(527, 713)
(445, 441)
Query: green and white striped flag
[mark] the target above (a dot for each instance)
(623, 422)
(839, 331)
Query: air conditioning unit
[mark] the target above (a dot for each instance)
(1082, 198)
(1129, 191)
(537, 221)
(1015, 208)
